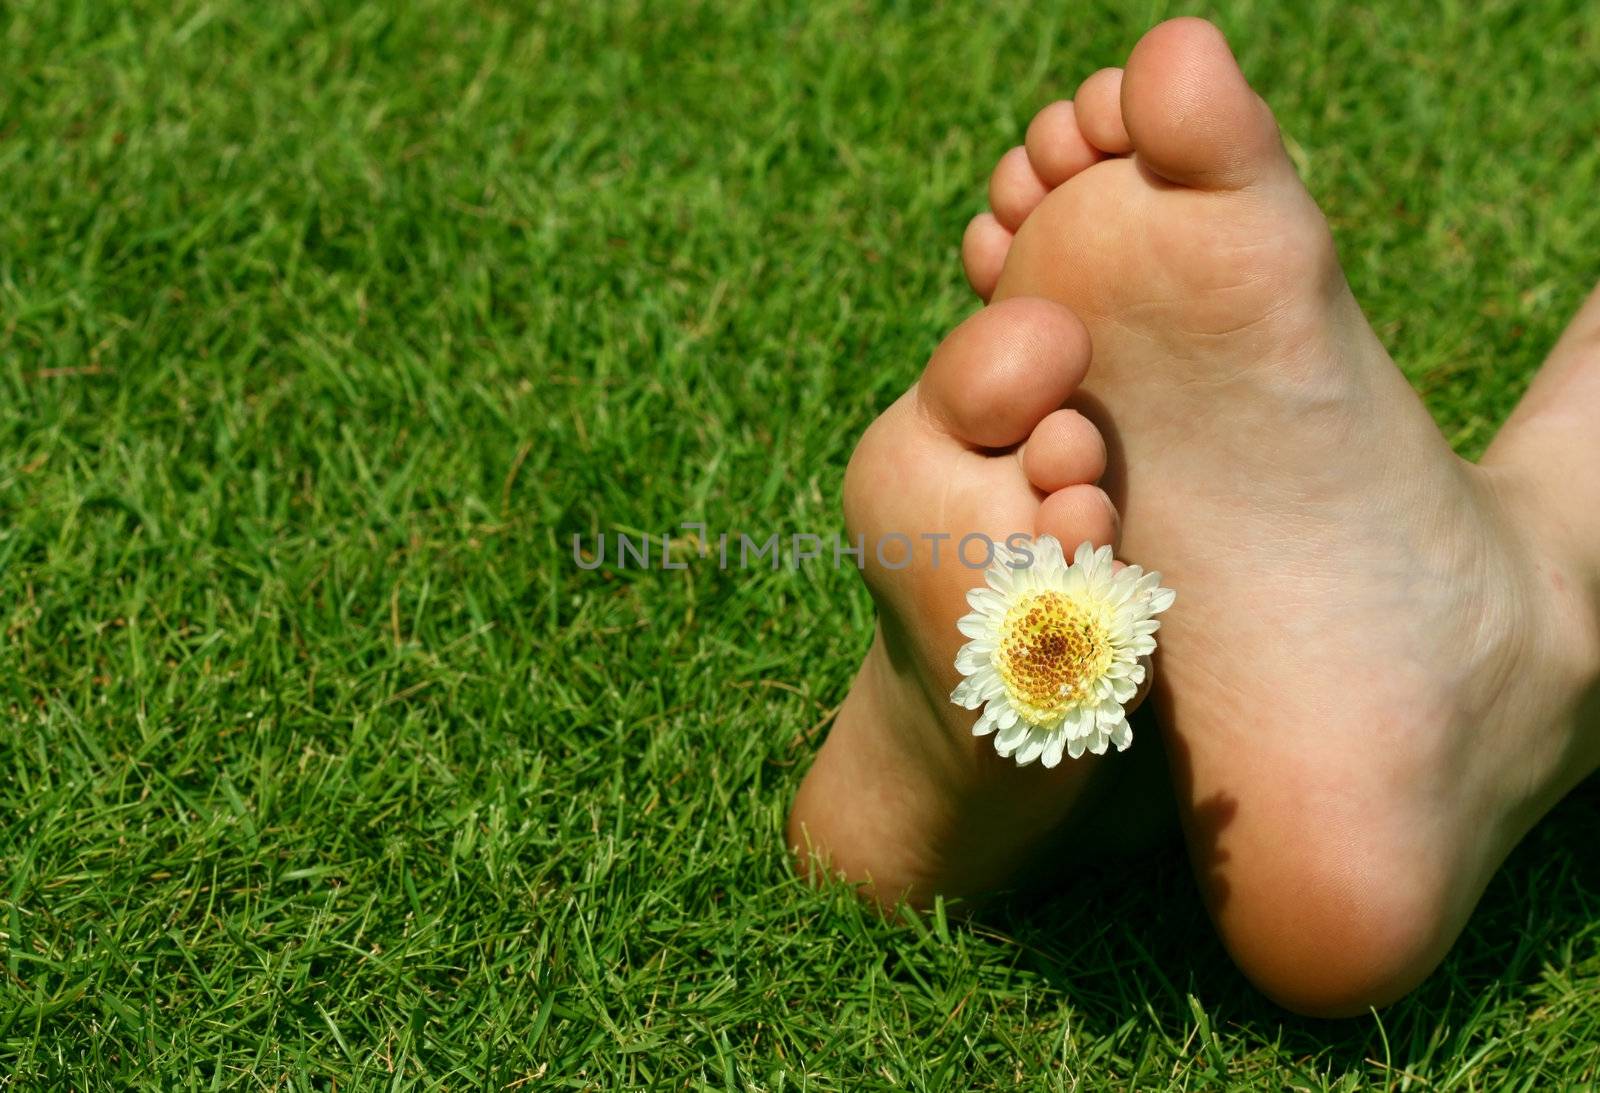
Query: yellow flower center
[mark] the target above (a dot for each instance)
(1051, 649)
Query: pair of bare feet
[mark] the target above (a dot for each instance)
(1381, 669)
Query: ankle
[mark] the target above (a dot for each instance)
(1529, 469)
(1562, 608)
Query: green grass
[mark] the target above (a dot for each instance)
(323, 327)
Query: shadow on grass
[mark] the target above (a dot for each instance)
(1131, 942)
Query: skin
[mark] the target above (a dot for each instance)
(1384, 669)
(902, 799)
(1384, 663)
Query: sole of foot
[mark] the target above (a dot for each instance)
(1371, 681)
(902, 798)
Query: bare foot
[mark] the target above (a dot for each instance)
(1372, 676)
(902, 797)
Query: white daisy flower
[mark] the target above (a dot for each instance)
(1055, 650)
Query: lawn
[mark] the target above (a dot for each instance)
(324, 327)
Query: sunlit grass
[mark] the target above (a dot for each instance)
(324, 327)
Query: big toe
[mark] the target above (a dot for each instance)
(1191, 115)
(1004, 370)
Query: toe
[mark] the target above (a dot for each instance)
(1098, 110)
(1190, 114)
(1057, 148)
(1002, 371)
(1014, 189)
(1077, 514)
(983, 253)
(1065, 449)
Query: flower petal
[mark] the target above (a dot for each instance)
(986, 601)
(1010, 736)
(1122, 735)
(969, 692)
(969, 660)
(1032, 748)
(975, 625)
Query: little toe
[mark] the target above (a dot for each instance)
(1098, 110)
(983, 253)
(1077, 514)
(1015, 190)
(1065, 449)
(1056, 145)
(1001, 372)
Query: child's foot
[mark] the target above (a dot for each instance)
(1372, 673)
(902, 796)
